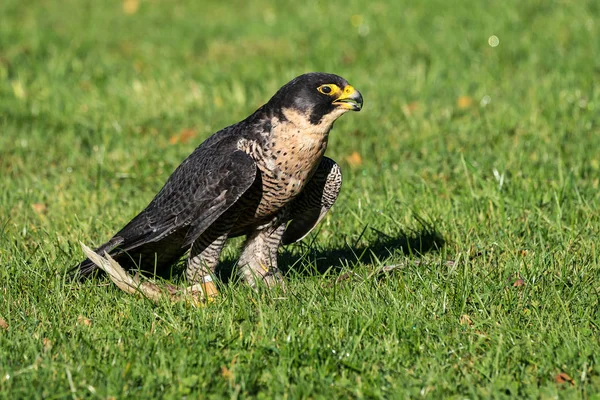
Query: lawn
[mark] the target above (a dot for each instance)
(461, 260)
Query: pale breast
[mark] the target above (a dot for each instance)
(288, 160)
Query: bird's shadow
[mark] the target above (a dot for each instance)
(309, 259)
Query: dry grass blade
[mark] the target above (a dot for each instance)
(133, 285)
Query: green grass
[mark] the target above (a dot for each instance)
(491, 151)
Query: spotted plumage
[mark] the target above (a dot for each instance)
(265, 177)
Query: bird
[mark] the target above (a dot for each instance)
(265, 178)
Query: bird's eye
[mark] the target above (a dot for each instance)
(327, 89)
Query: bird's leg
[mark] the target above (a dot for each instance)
(203, 259)
(258, 261)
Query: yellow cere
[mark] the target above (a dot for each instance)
(348, 91)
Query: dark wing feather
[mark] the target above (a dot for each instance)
(198, 192)
(302, 225)
(201, 189)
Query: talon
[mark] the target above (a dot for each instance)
(210, 290)
(264, 267)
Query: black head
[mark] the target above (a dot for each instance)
(318, 96)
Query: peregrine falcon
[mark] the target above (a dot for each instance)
(265, 178)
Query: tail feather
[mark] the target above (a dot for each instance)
(86, 268)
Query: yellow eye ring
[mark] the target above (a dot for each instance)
(328, 89)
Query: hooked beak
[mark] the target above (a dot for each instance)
(350, 99)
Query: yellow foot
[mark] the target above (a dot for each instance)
(210, 290)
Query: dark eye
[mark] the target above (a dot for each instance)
(329, 89)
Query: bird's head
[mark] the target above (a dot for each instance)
(317, 97)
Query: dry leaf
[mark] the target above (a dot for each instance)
(354, 159)
(464, 102)
(186, 135)
(47, 344)
(342, 278)
(519, 282)
(348, 58)
(84, 321)
(182, 137)
(226, 373)
(131, 6)
(410, 108)
(564, 378)
(3, 324)
(465, 320)
(39, 208)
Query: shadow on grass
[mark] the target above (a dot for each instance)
(307, 259)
